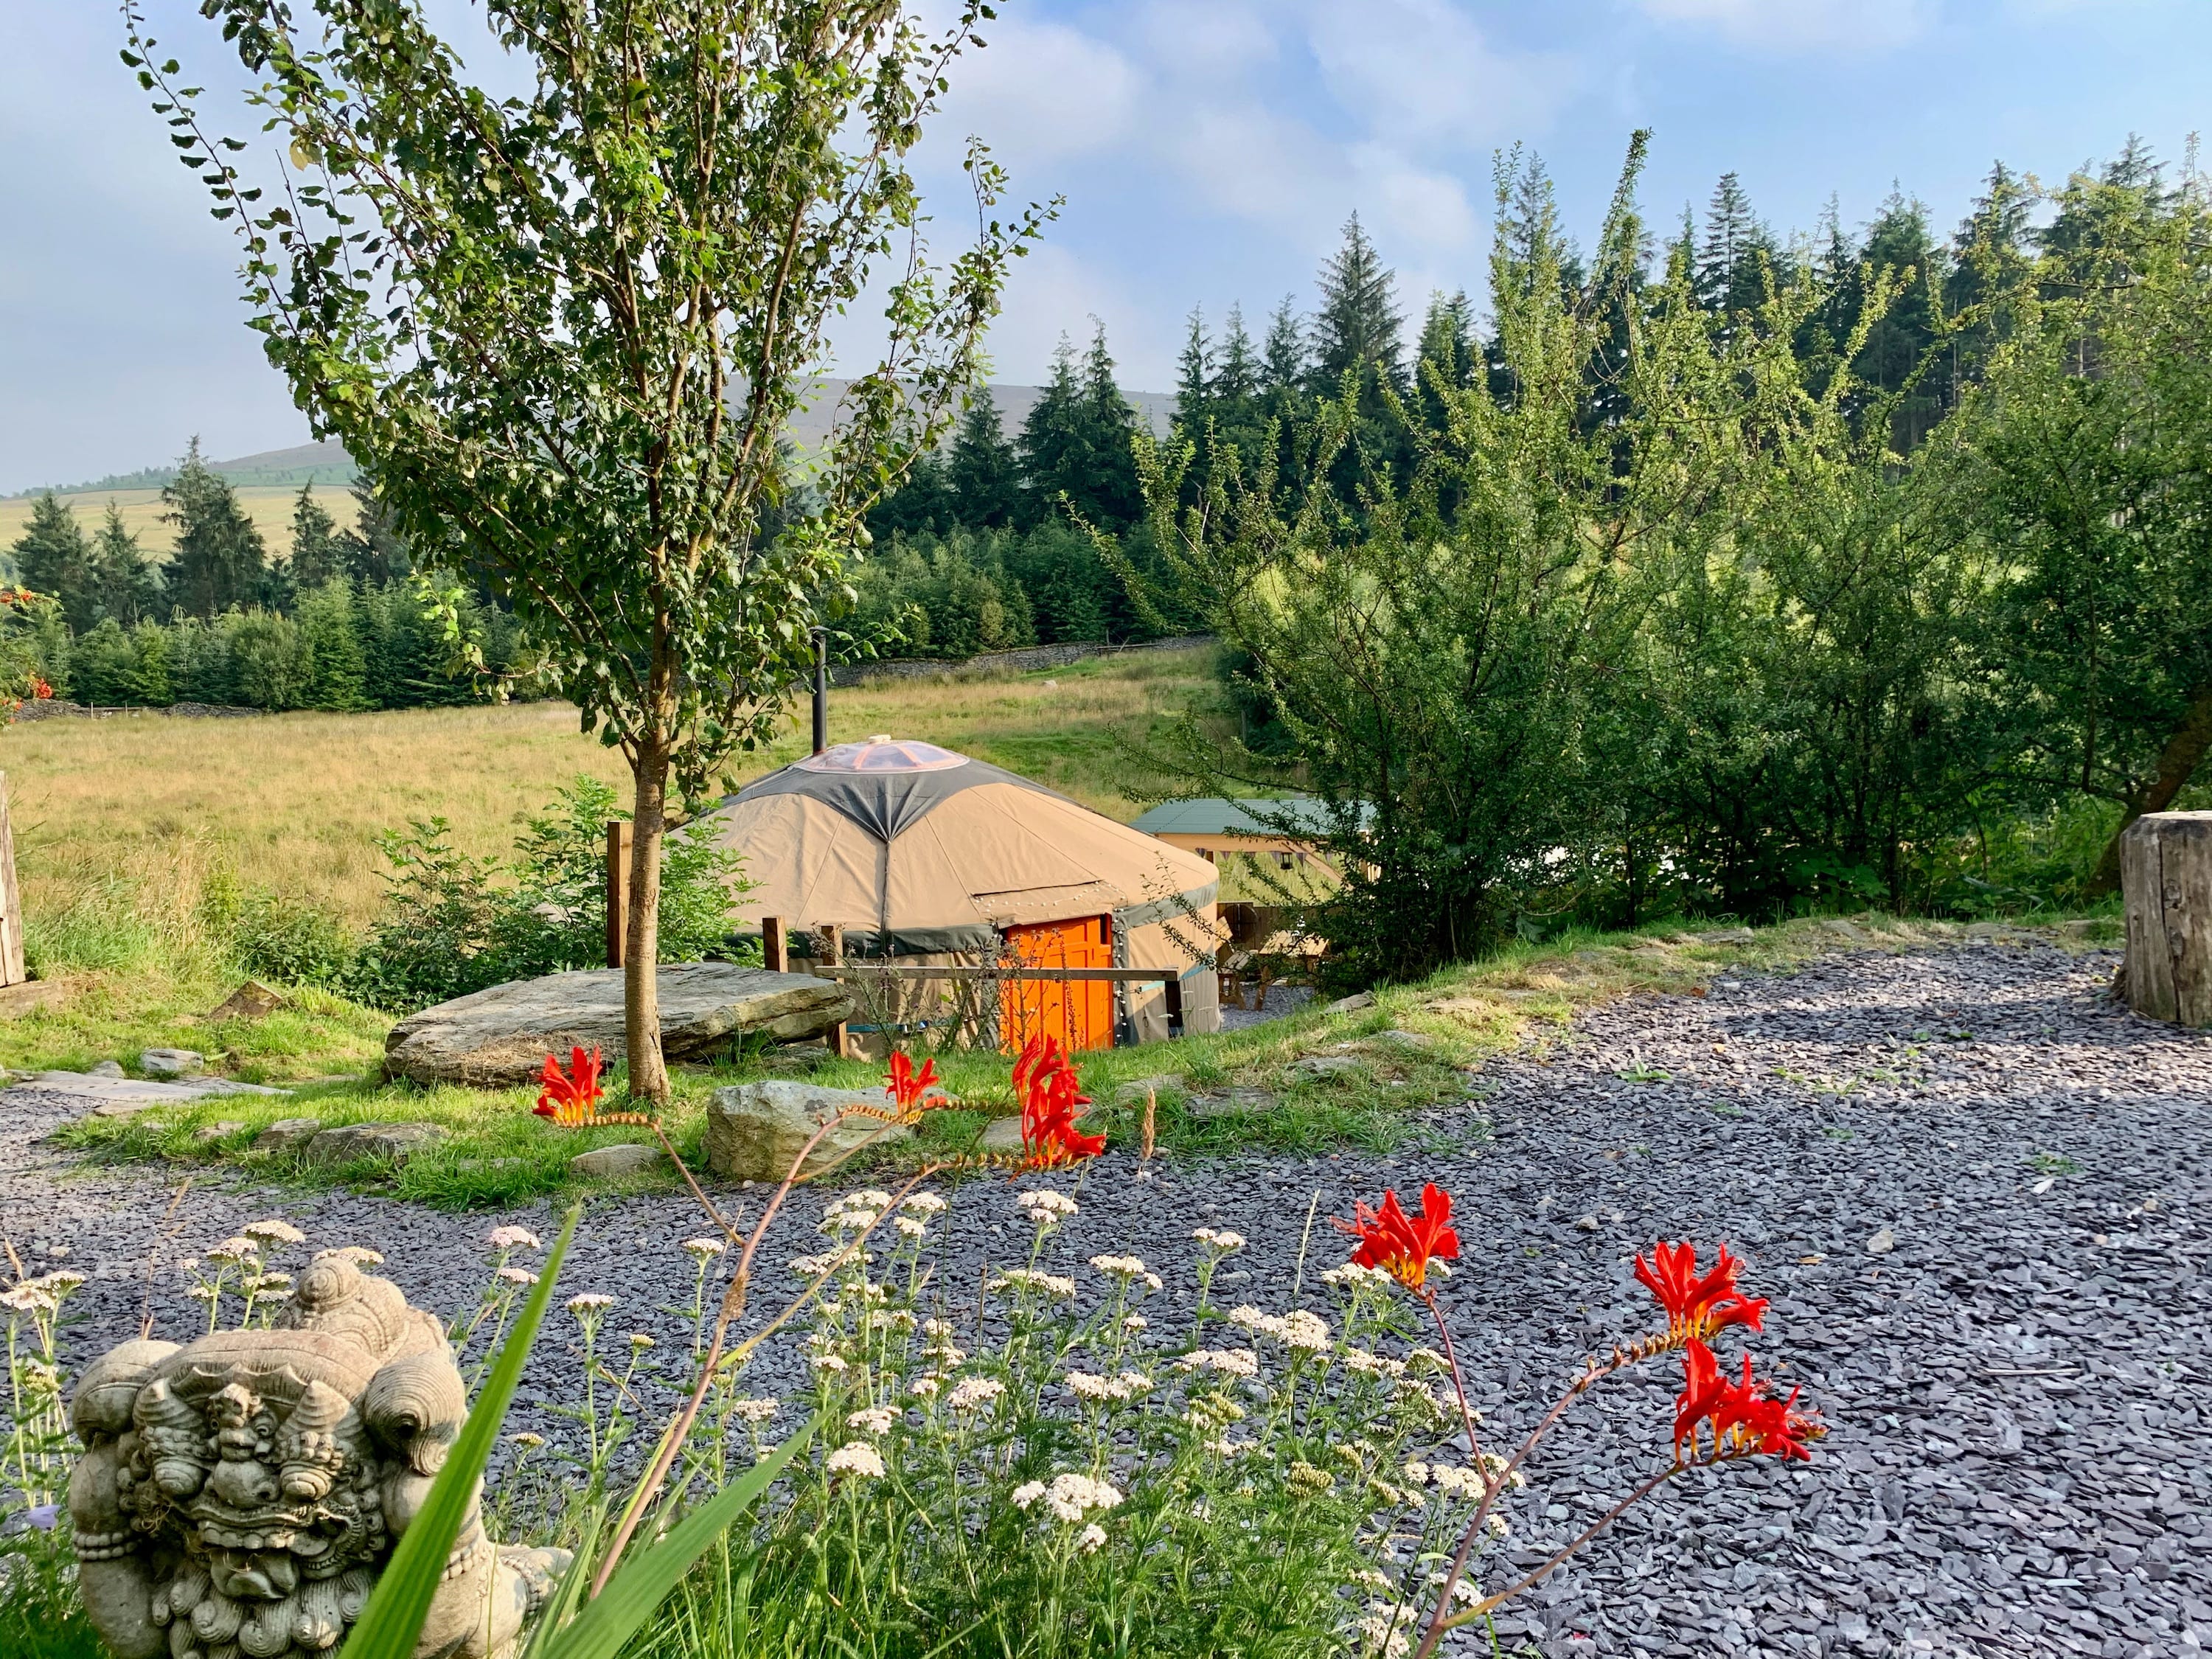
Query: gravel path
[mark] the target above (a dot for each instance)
(1971, 1184)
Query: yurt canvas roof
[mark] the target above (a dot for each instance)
(915, 850)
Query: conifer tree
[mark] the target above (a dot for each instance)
(52, 558)
(1355, 329)
(1896, 357)
(318, 551)
(337, 679)
(375, 552)
(123, 581)
(1284, 364)
(219, 560)
(1051, 436)
(1195, 379)
(1110, 497)
(1236, 371)
(983, 471)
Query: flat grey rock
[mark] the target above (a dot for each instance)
(171, 1062)
(498, 1037)
(1231, 1103)
(1727, 936)
(1314, 1067)
(612, 1163)
(1416, 1040)
(351, 1141)
(222, 1131)
(754, 1130)
(1351, 1004)
(1001, 1134)
(107, 1095)
(287, 1133)
(1133, 1092)
(107, 1068)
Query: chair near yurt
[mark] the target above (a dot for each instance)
(923, 856)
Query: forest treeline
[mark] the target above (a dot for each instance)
(1712, 573)
(333, 621)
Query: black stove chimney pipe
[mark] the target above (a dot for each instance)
(821, 690)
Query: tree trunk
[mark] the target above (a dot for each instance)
(648, 1073)
(2166, 866)
(2185, 751)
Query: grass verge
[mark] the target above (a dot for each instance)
(1388, 1074)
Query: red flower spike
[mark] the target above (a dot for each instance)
(910, 1090)
(1048, 1088)
(568, 1097)
(1747, 1421)
(1698, 1308)
(1403, 1245)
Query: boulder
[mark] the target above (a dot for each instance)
(106, 1068)
(501, 1037)
(1351, 1004)
(171, 1062)
(754, 1130)
(30, 996)
(350, 1142)
(222, 1131)
(287, 1133)
(612, 1163)
(1419, 1041)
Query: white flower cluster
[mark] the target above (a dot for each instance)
(42, 1295)
(360, 1254)
(1226, 1450)
(1044, 1208)
(856, 1457)
(279, 1233)
(1091, 1539)
(832, 1362)
(590, 1302)
(975, 1394)
(1372, 1365)
(1301, 1329)
(924, 1205)
(1219, 1239)
(1085, 1385)
(924, 1388)
(755, 1412)
(876, 1419)
(517, 1275)
(813, 1267)
(1351, 1276)
(1230, 1362)
(1127, 1267)
(233, 1250)
(706, 1250)
(1029, 1279)
(1069, 1497)
(855, 1212)
(1380, 1626)
(508, 1238)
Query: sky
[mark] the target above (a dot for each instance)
(1209, 150)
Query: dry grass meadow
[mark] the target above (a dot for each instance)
(270, 507)
(294, 802)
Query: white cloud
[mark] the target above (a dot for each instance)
(1403, 203)
(1044, 93)
(1803, 25)
(1418, 72)
(1219, 42)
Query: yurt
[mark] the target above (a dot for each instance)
(925, 856)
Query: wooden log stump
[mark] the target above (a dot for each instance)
(2166, 880)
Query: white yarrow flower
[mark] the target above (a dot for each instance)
(975, 1394)
(513, 1238)
(1091, 1539)
(877, 1420)
(274, 1231)
(856, 1457)
(706, 1248)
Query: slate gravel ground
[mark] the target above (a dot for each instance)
(1974, 1186)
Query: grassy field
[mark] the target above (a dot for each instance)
(269, 507)
(134, 834)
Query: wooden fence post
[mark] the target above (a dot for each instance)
(831, 954)
(12, 971)
(2166, 880)
(618, 846)
(776, 954)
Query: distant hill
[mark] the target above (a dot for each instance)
(329, 463)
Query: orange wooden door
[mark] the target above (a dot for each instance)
(1079, 1013)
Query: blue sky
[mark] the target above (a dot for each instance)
(1209, 149)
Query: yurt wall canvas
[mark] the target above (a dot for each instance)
(922, 856)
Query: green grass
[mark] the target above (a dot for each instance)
(497, 1152)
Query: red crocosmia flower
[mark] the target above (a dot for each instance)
(568, 1097)
(1696, 1308)
(908, 1089)
(1747, 1420)
(1048, 1088)
(41, 688)
(1403, 1245)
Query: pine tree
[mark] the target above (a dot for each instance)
(923, 505)
(1357, 327)
(983, 471)
(1898, 342)
(1238, 369)
(219, 560)
(1448, 338)
(150, 681)
(1195, 380)
(319, 551)
(375, 553)
(124, 585)
(1052, 436)
(52, 558)
(1989, 262)
(1731, 235)
(1110, 498)
(338, 676)
(1284, 364)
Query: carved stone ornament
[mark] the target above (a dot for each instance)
(238, 1496)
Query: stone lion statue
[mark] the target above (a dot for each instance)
(238, 1496)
